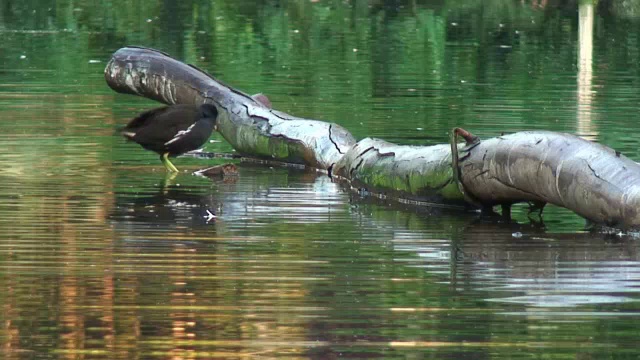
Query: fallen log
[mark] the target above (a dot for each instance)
(594, 181)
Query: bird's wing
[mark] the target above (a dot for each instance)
(180, 134)
(141, 119)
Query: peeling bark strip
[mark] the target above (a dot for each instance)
(593, 180)
(247, 123)
(420, 173)
(541, 167)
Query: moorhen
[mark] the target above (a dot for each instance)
(172, 130)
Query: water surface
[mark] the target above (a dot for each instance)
(103, 256)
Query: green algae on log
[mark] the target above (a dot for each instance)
(416, 173)
(592, 180)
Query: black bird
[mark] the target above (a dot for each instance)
(172, 130)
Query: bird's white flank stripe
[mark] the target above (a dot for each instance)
(180, 134)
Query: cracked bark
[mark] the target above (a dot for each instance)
(418, 173)
(594, 181)
(333, 142)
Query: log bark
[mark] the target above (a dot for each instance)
(422, 174)
(594, 181)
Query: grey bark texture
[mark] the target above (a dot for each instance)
(595, 181)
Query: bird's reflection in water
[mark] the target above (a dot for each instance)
(171, 204)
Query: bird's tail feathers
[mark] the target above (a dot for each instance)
(127, 134)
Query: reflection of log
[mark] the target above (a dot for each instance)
(550, 270)
(592, 180)
(586, 127)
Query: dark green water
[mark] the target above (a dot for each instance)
(102, 257)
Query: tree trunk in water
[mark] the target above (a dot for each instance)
(541, 167)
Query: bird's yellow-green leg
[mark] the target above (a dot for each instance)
(168, 180)
(167, 164)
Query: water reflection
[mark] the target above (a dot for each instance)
(512, 263)
(314, 199)
(524, 264)
(172, 205)
(101, 257)
(556, 270)
(585, 127)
